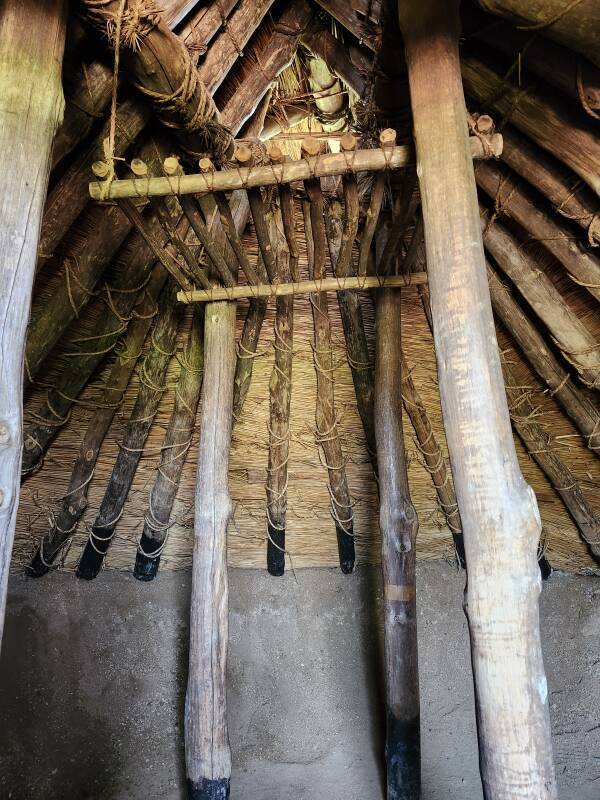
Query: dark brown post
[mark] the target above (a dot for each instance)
(498, 509)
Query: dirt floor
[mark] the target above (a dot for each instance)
(92, 681)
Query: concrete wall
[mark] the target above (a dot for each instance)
(92, 680)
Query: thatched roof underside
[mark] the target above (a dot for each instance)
(310, 530)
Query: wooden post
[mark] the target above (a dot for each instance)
(499, 513)
(207, 753)
(31, 107)
(398, 523)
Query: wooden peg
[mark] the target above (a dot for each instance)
(387, 137)
(348, 142)
(310, 146)
(205, 165)
(243, 155)
(101, 169)
(139, 168)
(276, 154)
(171, 166)
(484, 124)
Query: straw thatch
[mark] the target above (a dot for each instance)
(310, 530)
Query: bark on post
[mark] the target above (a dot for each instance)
(574, 202)
(175, 447)
(498, 510)
(152, 386)
(31, 108)
(326, 422)
(399, 524)
(578, 407)
(207, 753)
(280, 396)
(572, 337)
(75, 501)
(513, 199)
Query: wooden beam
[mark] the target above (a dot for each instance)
(207, 753)
(320, 166)
(398, 524)
(31, 107)
(574, 24)
(562, 131)
(356, 282)
(498, 510)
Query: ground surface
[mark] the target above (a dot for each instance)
(92, 680)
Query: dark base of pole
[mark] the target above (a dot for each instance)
(36, 567)
(459, 546)
(205, 789)
(403, 757)
(345, 550)
(90, 564)
(146, 567)
(545, 568)
(275, 551)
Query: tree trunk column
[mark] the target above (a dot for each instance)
(32, 38)
(498, 509)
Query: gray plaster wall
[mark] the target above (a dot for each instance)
(92, 682)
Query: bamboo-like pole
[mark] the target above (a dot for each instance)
(75, 499)
(207, 753)
(575, 341)
(538, 445)
(30, 112)
(317, 166)
(152, 386)
(515, 201)
(500, 519)
(353, 282)
(175, 447)
(573, 201)
(328, 437)
(399, 524)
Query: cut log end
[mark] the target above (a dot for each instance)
(346, 552)
(208, 789)
(276, 551)
(403, 758)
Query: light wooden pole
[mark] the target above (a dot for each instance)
(32, 38)
(498, 509)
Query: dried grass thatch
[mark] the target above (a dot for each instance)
(310, 530)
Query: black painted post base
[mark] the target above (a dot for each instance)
(206, 789)
(345, 550)
(90, 564)
(146, 568)
(275, 551)
(403, 758)
(36, 567)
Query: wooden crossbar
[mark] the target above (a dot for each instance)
(302, 287)
(318, 166)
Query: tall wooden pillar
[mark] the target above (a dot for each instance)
(498, 509)
(32, 38)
